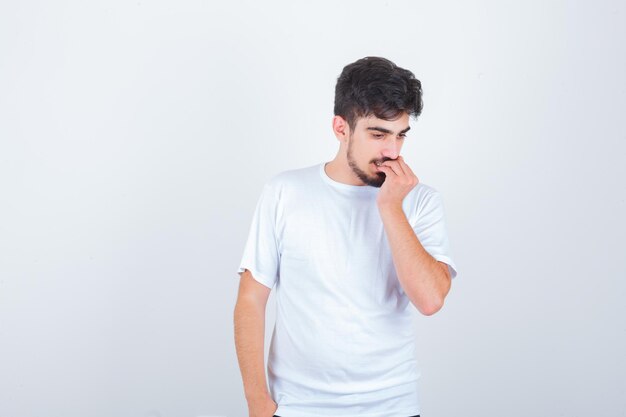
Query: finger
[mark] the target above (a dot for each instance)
(405, 167)
(408, 170)
(387, 170)
(395, 166)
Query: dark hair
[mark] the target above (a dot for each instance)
(375, 85)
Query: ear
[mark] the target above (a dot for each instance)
(341, 128)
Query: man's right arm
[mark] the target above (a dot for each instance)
(249, 320)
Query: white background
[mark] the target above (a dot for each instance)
(135, 138)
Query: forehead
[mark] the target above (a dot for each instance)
(373, 121)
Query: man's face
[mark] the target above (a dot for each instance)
(374, 141)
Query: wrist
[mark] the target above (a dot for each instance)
(258, 397)
(389, 206)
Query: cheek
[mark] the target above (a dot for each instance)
(366, 154)
(367, 149)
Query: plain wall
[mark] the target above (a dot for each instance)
(135, 138)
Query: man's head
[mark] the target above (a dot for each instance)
(373, 101)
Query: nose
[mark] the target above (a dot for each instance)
(391, 148)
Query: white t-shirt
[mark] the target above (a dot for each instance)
(343, 343)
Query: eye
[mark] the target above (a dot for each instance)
(378, 135)
(402, 136)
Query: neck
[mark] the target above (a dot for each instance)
(339, 170)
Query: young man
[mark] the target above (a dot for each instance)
(348, 245)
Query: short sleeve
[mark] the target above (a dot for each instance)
(260, 255)
(431, 230)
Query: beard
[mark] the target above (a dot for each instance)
(376, 181)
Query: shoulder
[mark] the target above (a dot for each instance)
(293, 179)
(424, 190)
(421, 193)
(420, 197)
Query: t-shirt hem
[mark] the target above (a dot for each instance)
(447, 260)
(258, 276)
(287, 411)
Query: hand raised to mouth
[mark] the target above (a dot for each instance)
(399, 180)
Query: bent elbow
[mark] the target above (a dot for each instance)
(431, 308)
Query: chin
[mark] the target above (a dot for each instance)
(378, 180)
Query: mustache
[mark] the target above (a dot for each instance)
(382, 160)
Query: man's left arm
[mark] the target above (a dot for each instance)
(425, 280)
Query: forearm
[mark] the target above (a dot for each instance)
(420, 275)
(249, 319)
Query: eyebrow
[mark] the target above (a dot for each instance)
(383, 130)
